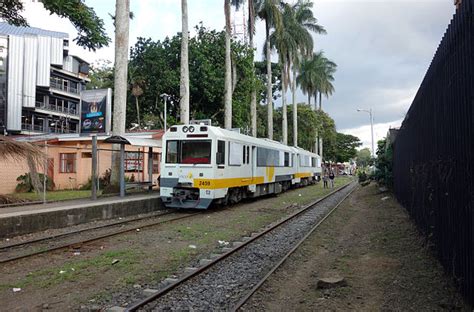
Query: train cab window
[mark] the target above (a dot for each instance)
(220, 159)
(196, 152)
(248, 153)
(171, 152)
(287, 159)
(313, 161)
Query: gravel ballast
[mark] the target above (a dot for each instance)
(223, 285)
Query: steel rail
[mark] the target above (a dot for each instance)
(81, 242)
(15, 245)
(262, 281)
(200, 270)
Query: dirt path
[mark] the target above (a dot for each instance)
(374, 246)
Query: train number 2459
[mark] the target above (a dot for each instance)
(204, 183)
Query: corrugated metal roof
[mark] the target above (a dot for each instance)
(7, 29)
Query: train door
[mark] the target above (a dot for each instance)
(253, 161)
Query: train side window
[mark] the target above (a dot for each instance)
(220, 156)
(287, 160)
(248, 153)
(235, 153)
(243, 153)
(171, 152)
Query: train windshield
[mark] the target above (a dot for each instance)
(188, 152)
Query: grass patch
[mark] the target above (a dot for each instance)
(55, 195)
(79, 269)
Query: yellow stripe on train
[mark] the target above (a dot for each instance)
(303, 174)
(212, 184)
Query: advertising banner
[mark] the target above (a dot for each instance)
(95, 111)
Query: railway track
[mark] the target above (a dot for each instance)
(228, 281)
(30, 248)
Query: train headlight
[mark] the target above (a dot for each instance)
(191, 129)
(185, 129)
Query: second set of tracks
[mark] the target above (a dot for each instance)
(75, 239)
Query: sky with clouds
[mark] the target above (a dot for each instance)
(382, 48)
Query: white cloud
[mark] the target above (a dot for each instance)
(364, 133)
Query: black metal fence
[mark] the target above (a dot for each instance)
(434, 152)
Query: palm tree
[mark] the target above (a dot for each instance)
(122, 16)
(286, 45)
(268, 10)
(184, 67)
(307, 77)
(228, 69)
(228, 83)
(292, 40)
(305, 22)
(326, 87)
(253, 96)
(316, 76)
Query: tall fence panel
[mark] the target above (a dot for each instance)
(434, 152)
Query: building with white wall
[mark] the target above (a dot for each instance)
(40, 83)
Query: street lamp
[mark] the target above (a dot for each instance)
(371, 127)
(165, 97)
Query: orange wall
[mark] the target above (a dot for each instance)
(9, 170)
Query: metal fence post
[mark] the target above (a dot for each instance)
(122, 170)
(94, 168)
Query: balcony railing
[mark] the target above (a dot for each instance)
(58, 84)
(40, 128)
(30, 127)
(57, 108)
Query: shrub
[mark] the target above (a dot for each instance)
(104, 181)
(362, 176)
(25, 183)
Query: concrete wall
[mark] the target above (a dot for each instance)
(14, 224)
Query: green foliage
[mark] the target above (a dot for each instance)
(362, 175)
(364, 158)
(310, 123)
(90, 28)
(157, 64)
(101, 75)
(10, 12)
(104, 181)
(383, 163)
(345, 147)
(25, 184)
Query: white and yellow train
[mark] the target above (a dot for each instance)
(202, 164)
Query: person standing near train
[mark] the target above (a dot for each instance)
(331, 178)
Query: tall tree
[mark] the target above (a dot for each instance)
(269, 11)
(91, 31)
(326, 87)
(305, 22)
(122, 15)
(253, 96)
(292, 40)
(184, 68)
(286, 45)
(228, 69)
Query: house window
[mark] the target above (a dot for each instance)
(67, 162)
(133, 162)
(156, 162)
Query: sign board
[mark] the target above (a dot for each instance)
(96, 111)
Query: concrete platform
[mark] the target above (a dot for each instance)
(21, 220)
